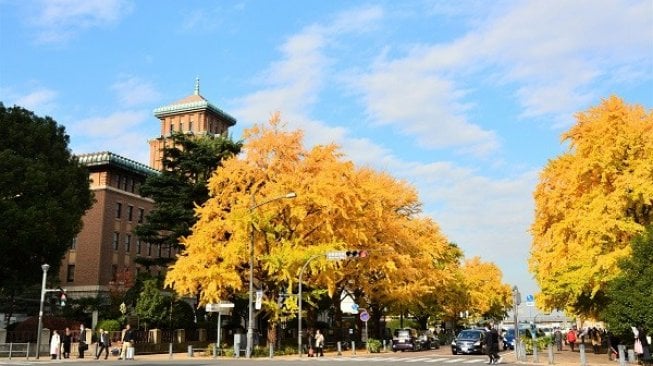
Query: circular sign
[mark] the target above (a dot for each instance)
(530, 298)
(365, 316)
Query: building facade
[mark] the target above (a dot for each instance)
(103, 254)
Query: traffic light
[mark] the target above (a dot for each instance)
(356, 253)
(62, 297)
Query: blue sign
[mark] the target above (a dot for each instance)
(530, 298)
(365, 316)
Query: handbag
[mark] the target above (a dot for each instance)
(638, 347)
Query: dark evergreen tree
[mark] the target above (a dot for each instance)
(188, 163)
(44, 193)
(630, 295)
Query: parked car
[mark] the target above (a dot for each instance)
(469, 341)
(405, 339)
(428, 340)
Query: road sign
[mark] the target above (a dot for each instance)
(336, 255)
(259, 298)
(219, 307)
(530, 300)
(365, 316)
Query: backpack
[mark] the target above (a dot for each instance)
(571, 336)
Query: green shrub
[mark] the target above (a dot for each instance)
(110, 325)
(374, 345)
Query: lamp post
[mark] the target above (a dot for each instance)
(516, 300)
(250, 321)
(45, 268)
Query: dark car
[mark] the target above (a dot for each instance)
(469, 341)
(405, 339)
(509, 337)
(428, 340)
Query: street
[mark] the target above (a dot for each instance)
(442, 356)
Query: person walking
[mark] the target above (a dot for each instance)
(492, 339)
(557, 337)
(104, 344)
(67, 340)
(127, 339)
(55, 345)
(319, 344)
(571, 338)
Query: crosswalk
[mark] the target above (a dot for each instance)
(429, 360)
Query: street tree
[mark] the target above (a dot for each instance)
(152, 306)
(488, 296)
(338, 207)
(44, 192)
(589, 203)
(630, 294)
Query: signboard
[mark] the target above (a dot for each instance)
(348, 305)
(223, 307)
(259, 298)
(530, 300)
(364, 316)
(336, 255)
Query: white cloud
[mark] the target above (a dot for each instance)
(40, 100)
(116, 124)
(59, 20)
(132, 91)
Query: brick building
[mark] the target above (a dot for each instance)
(103, 253)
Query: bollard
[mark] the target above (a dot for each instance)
(583, 359)
(522, 351)
(384, 349)
(215, 350)
(353, 347)
(631, 356)
(190, 350)
(271, 350)
(536, 358)
(339, 348)
(170, 350)
(550, 354)
(622, 355)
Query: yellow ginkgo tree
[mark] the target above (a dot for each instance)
(590, 202)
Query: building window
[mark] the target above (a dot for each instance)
(118, 210)
(116, 240)
(73, 244)
(138, 245)
(149, 249)
(114, 273)
(160, 250)
(128, 243)
(115, 181)
(190, 126)
(70, 275)
(130, 212)
(141, 215)
(124, 183)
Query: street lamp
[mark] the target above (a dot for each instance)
(250, 321)
(45, 268)
(516, 300)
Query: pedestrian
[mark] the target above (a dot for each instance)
(55, 345)
(493, 345)
(571, 338)
(127, 339)
(104, 344)
(557, 337)
(82, 345)
(319, 343)
(595, 336)
(642, 346)
(67, 340)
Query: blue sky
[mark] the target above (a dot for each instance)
(466, 100)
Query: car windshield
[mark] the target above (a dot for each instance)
(469, 334)
(402, 333)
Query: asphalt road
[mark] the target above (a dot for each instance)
(436, 357)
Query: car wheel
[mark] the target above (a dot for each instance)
(453, 351)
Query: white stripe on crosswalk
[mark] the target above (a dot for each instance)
(417, 359)
(437, 359)
(452, 360)
(476, 360)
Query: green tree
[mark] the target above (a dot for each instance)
(630, 295)
(188, 162)
(151, 305)
(44, 192)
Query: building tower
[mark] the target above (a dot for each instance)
(192, 115)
